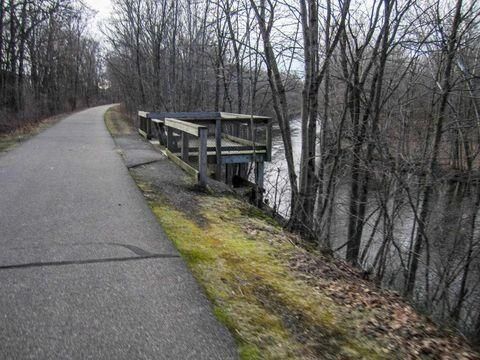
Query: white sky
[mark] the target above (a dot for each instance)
(103, 8)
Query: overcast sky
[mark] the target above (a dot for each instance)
(103, 8)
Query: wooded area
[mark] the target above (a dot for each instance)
(48, 61)
(386, 172)
(387, 95)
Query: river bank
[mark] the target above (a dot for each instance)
(278, 299)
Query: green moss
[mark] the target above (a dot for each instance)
(117, 123)
(240, 256)
(248, 351)
(7, 143)
(241, 264)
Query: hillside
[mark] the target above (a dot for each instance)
(278, 299)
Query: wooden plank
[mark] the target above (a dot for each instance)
(218, 149)
(183, 126)
(226, 143)
(237, 159)
(231, 153)
(242, 148)
(244, 152)
(149, 128)
(203, 115)
(209, 116)
(259, 179)
(203, 157)
(243, 117)
(243, 168)
(143, 114)
(187, 168)
(158, 121)
(169, 138)
(227, 159)
(242, 141)
(184, 146)
(143, 133)
(259, 173)
(160, 132)
(248, 145)
(236, 129)
(269, 141)
(228, 173)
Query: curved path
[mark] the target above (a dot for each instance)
(85, 269)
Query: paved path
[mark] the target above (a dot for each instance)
(85, 269)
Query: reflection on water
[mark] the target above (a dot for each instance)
(278, 195)
(277, 185)
(449, 228)
(278, 190)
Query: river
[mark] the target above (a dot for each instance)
(448, 229)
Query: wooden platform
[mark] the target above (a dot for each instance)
(228, 145)
(207, 116)
(232, 152)
(187, 140)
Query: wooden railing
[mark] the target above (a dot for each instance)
(228, 148)
(144, 124)
(187, 130)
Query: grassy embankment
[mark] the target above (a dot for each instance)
(261, 288)
(10, 140)
(116, 122)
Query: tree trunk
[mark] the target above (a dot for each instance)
(450, 50)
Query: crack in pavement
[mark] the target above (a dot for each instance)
(133, 166)
(88, 261)
(135, 249)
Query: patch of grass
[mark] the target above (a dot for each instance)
(117, 123)
(9, 141)
(279, 300)
(242, 262)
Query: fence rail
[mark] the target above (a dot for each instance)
(186, 131)
(229, 146)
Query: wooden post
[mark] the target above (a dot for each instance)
(161, 137)
(169, 138)
(159, 128)
(232, 169)
(236, 129)
(268, 156)
(218, 148)
(184, 146)
(259, 169)
(229, 172)
(149, 128)
(245, 133)
(202, 156)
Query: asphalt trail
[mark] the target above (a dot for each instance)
(85, 269)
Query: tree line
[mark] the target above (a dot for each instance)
(48, 61)
(387, 95)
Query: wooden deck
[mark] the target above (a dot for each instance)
(228, 145)
(187, 139)
(206, 116)
(232, 152)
